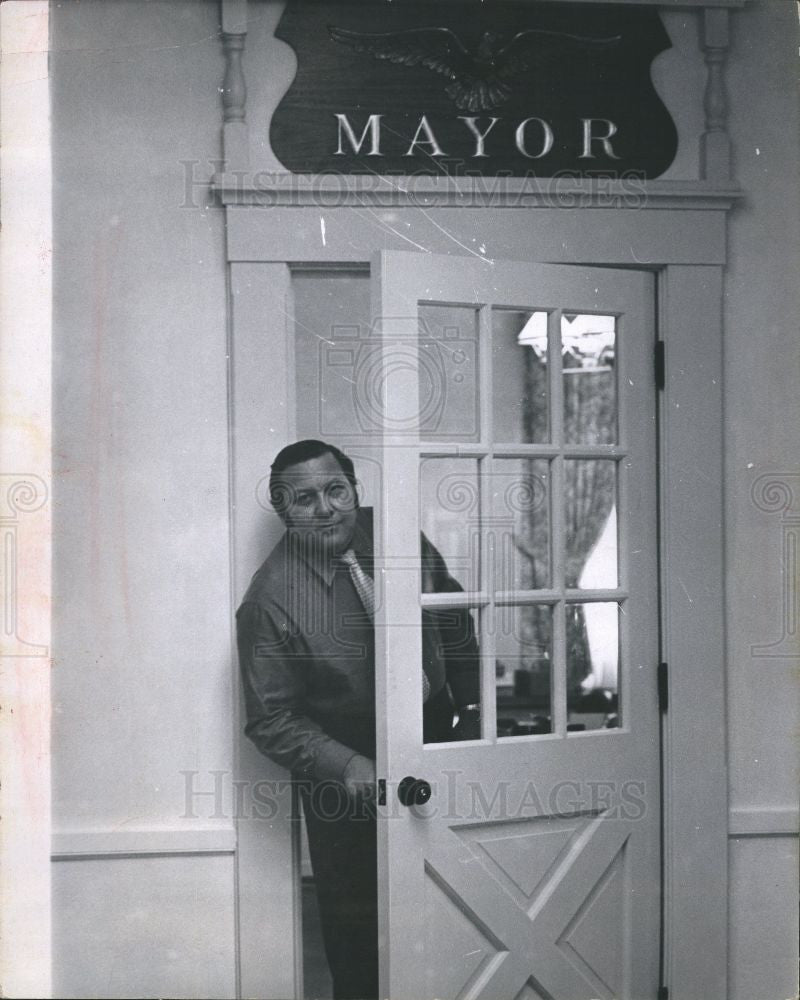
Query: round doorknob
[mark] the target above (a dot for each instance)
(413, 791)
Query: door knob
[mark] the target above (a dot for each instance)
(413, 791)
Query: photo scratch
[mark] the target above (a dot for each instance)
(382, 224)
(449, 235)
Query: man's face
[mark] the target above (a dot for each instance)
(322, 504)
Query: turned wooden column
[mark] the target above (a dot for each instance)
(715, 144)
(234, 89)
(236, 144)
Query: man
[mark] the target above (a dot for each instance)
(307, 654)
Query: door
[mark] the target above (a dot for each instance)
(514, 404)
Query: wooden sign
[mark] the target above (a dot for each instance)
(470, 88)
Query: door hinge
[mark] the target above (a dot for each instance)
(663, 993)
(381, 791)
(663, 687)
(660, 364)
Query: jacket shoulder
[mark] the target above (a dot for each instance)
(269, 583)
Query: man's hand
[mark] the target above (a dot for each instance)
(468, 726)
(359, 779)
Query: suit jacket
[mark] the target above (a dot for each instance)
(307, 656)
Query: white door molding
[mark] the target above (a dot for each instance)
(690, 320)
(691, 545)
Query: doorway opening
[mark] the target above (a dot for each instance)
(548, 533)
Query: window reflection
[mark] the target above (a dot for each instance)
(593, 666)
(590, 488)
(588, 353)
(520, 522)
(450, 516)
(450, 675)
(447, 366)
(519, 376)
(523, 670)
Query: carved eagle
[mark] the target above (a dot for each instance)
(478, 80)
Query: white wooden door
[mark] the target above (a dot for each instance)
(515, 408)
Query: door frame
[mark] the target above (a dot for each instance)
(683, 242)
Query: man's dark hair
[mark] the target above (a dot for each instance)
(280, 486)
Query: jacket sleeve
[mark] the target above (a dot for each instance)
(456, 629)
(274, 683)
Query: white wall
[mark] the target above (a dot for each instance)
(142, 677)
(762, 405)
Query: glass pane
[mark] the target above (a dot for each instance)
(592, 666)
(520, 522)
(590, 520)
(331, 320)
(588, 347)
(519, 376)
(448, 373)
(450, 520)
(523, 669)
(450, 657)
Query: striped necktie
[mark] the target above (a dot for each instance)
(365, 588)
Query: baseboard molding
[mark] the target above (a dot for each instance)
(100, 843)
(781, 821)
(72, 845)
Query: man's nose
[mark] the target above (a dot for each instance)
(323, 506)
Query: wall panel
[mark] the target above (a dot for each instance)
(763, 915)
(146, 926)
(761, 440)
(142, 679)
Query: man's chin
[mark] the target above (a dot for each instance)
(339, 538)
(328, 540)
